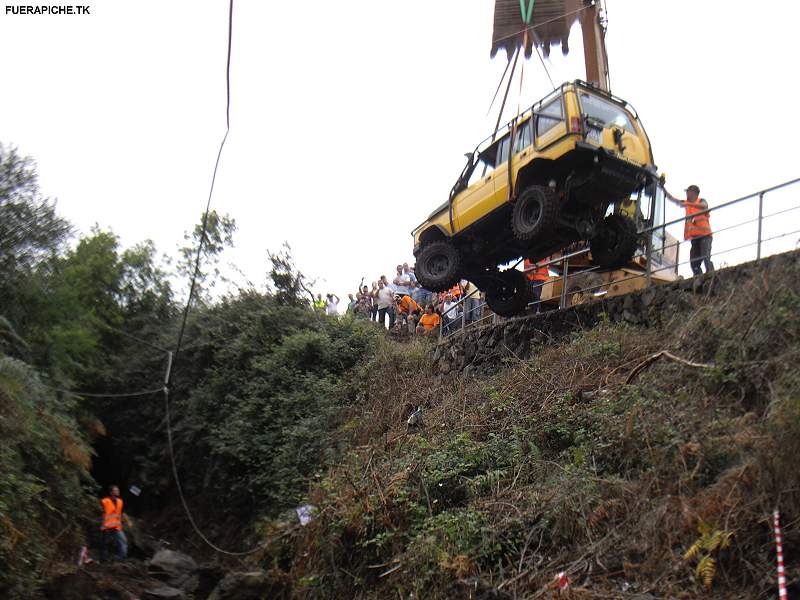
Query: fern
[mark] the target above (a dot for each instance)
(711, 540)
(706, 569)
(694, 550)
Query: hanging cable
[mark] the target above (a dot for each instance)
(100, 395)
(173, 355)
(505, 96)
(539, 54)
(133, 337)
(499, 85)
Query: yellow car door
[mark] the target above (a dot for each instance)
(500, 180)
(479, 198)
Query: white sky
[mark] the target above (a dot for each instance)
(349, 119)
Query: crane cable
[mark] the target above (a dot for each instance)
(171, 356)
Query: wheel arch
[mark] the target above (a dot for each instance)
(537, 172)
(434, 233)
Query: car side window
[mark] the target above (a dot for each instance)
(481, 169)
(502, 152)
(523, 138)
(549, 116)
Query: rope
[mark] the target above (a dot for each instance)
(99, 395)
(499, 85)
(544, 66)
(174, 355)
(133, 337)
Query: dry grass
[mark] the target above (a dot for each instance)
(579, 459)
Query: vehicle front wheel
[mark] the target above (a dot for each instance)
(615, 242)
(438, 266)
(535, 212)
(509, 293)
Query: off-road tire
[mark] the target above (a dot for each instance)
(535, 212)
(438, 266)
(509, 295)
(615, 242)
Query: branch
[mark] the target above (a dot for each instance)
(664, 354)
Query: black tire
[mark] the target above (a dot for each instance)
(509, 293)
(438, 266)
(535, 212)
(615, 242)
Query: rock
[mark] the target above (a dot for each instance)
(630, 316)
(142, 545)
(470, 350)
(209, 577)
(164, 592)
(252, 586)
(176, 568)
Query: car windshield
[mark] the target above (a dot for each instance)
(605, 112)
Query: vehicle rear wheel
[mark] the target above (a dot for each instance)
(509, 293)
(615, 242)
(438, 266)
(535, 211)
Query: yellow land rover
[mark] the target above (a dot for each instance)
(540, 183)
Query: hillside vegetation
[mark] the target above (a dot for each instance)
(635, 475)
(255, 390)
(642, 462)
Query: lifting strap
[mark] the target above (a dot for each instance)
(526, 16)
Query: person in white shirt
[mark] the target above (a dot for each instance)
(471, 301)
(451, 313)
(385, 303)
(332, 305)
(402, 282)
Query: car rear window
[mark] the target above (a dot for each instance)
(607, 112)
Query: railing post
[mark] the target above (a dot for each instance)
(760, 215)
(562, 303)
(648, 244)
(464, 313)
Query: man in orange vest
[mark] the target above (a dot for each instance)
(407, 310)
(537, 275)
(113, 536)
(697, 229)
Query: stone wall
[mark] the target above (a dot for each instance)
(481, 349)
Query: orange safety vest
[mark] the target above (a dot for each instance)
(112, 513)
(534, 272)
(695, 227)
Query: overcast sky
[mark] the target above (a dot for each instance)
(349, 120)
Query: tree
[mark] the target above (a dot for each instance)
(30, 230)
(289, 283)
(219, 232)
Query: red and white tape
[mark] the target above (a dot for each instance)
(563, 581)
(779, 547)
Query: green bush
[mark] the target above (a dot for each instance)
(44, 462)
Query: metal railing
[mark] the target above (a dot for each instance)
(784, 198)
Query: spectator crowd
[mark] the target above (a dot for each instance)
(403, 305)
